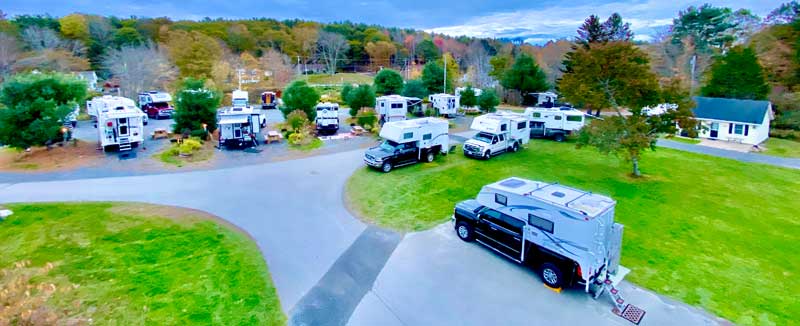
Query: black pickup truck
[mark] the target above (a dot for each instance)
(390, 154)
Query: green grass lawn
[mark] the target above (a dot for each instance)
(783, 148)
(685, 140)
(339, 78)
(133, 266)
(708, 231)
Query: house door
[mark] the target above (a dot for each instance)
(714, 130)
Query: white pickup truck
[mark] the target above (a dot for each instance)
(498, 133)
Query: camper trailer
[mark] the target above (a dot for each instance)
(156, 104)
(239, 126)
(556, 123)
(240, 99)
(327, 120)
(120, 124)
(568, 235)
(409, 141)
(269, 100)
(394, 107)
(498, 132)
(445, 104)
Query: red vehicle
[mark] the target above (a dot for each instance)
(156, 105)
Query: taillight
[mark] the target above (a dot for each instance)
(579, 272)
(110, 124)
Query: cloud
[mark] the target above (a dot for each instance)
(646, 17)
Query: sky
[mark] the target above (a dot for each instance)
(535, 21)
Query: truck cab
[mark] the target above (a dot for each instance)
(327, 120)
(408, 142)
(156, 105)
(497, 133)
(269, 100)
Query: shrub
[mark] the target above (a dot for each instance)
(367, 118)
(199, 134)
(297, 119)
(189, 146)
(468, 98)
(785, 134)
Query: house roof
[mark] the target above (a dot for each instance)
(726, 109)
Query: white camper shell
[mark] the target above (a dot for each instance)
(238, 126)
(427, 132)
(120, 124)
(327, 119)
(544, 99)
(554, 122)
(445, 104)
(498, 132)
(240, 99)
(394, 107)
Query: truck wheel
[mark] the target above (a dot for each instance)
(464, 231)
(551, 275)
(559, 137)
(386, 167)
(487, 155)
(515, 147)
(429, 157)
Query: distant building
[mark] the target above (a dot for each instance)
(90, 77)
(740, 121)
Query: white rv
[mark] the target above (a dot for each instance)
(544, 100)
(408, 142)
(327, 120)
(239, 126)
(566, 234)
(120, 124)
(445, 104)
(498, 132)
(394, 107)
(240, 99)
(557, 123)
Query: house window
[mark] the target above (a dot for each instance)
(501, 199)
(540, 223)
(738, 129)
(426, 136)
(408, 135)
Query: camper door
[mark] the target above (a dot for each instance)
(255, 122)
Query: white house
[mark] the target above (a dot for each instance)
(89, 77)
(741, 121)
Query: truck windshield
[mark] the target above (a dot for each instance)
(239, 102)
(388, 145)
(484, 137)
(161, 105)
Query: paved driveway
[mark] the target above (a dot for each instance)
(331, 269)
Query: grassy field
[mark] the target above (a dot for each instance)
(339, 78)
(708, 231)
(136, 264)
(783, 148)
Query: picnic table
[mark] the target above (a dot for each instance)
(160, 133)
(357, 130)
(273, 136)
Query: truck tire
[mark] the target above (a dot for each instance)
(464, 231)
(386, 167)
(430, 156)
(558, 137)
(487, 155)
(515, 147)
(551, 275)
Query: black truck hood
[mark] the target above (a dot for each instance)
(378, 152)
(468, 208)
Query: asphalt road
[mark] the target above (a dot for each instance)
(331, 269)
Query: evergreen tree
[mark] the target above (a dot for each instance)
(415, 88)
(433, 78)
(388, 82)
(299, 96)
(737, 74)
(360, 97)
(196, 105)
(468, 97)
(525, 76)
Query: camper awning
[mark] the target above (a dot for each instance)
(233, 119)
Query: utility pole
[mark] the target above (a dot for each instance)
(691, 82)
(298, 65)
(444, 89)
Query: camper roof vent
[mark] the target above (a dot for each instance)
(558, 194)
(512, 183)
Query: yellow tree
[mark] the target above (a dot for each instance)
(453, 72)
(380, 53)
(304, 37)
(193, 52)
(74, 26)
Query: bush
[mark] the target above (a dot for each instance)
(367, 119)
(199, 134)
(468, 98)
(297, 119)
(189, 146)
(785, 134)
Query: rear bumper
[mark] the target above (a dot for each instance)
(164, 114)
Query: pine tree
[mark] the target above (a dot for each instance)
(737, 74)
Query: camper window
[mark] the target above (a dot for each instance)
(540, 223)
(575, 118)
(503, 127)
(408, 135)
(427, 136)
(537, 115)
(501, 199)
(520, 125)
(558, 117)
(397, 105)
